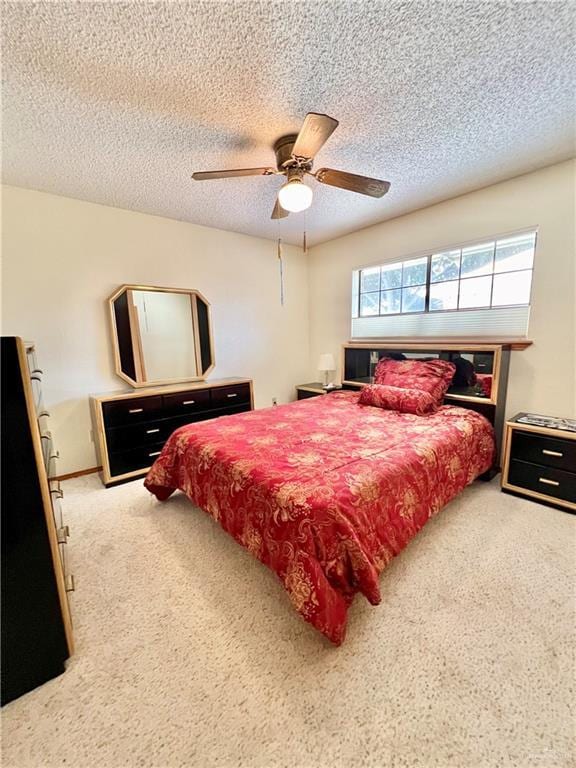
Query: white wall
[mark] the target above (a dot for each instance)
(543, 377)
(62, 258)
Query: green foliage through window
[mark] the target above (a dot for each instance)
(495, 273)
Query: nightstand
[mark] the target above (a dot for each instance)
(540, 463)
(313, 389)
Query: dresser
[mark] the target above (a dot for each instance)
(540, 463)
(36, 621)
(130, 428)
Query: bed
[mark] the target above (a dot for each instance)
(325, 491)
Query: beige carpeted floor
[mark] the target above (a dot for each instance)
(189, 654)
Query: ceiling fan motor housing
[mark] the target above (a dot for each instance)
(283, 151)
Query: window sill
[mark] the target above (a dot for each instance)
(516, 344)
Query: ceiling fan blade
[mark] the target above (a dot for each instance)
(279, 212)
(351, 181)
(315, 132)
(204, 175)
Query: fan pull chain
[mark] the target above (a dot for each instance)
(281, 271)
(304, 241)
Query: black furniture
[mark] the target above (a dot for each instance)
(540, 463)
(131, 427)
(36, 624)
(313, 389)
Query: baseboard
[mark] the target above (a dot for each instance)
(78, 473)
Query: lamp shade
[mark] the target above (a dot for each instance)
(326, 363)
(295, 196)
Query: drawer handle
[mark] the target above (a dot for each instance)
(135, 410)
(36, 377)
(43, 413)
(55, 455)
(58, 492)
(63, 534)
(188, 402)
(70, 586)
(156, 453)
(552, 453)
(235, 394)
(151, 431)
(548, 482)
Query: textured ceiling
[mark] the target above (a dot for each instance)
(117, 103)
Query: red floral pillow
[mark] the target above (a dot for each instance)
(398, 399)
(432, 376)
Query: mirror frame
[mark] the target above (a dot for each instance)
(193, 293)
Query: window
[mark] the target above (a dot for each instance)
(489, 275)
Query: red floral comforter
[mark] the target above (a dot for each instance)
(485, 381)
(325, 491)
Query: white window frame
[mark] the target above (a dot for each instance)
(509, 319)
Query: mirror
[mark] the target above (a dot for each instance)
(160, 335)
(475, 378)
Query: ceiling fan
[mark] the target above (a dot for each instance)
(294, 158)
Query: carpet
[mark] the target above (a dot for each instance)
(189, 653)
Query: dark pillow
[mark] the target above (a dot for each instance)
(465, 375)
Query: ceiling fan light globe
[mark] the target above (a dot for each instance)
(295, 196)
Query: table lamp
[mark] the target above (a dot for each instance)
(326, 363)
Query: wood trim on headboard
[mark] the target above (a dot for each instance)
(507, 342)
(417, 346)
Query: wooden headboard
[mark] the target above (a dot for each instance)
(490, 361)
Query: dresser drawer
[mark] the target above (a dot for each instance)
(540, 449)
(36, 383)
(545, 480)
(234, 395)
(132, 436)
(147, 433)
(47, 447)
(138, 458)
(186, 402)
(52, 470)
(132, 410)
(50, 454)
(57, 511)
(56, 491)
(68, 577)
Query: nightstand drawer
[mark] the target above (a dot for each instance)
(304, 394)
(545, 480)
(313, 389)
(541, 449)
